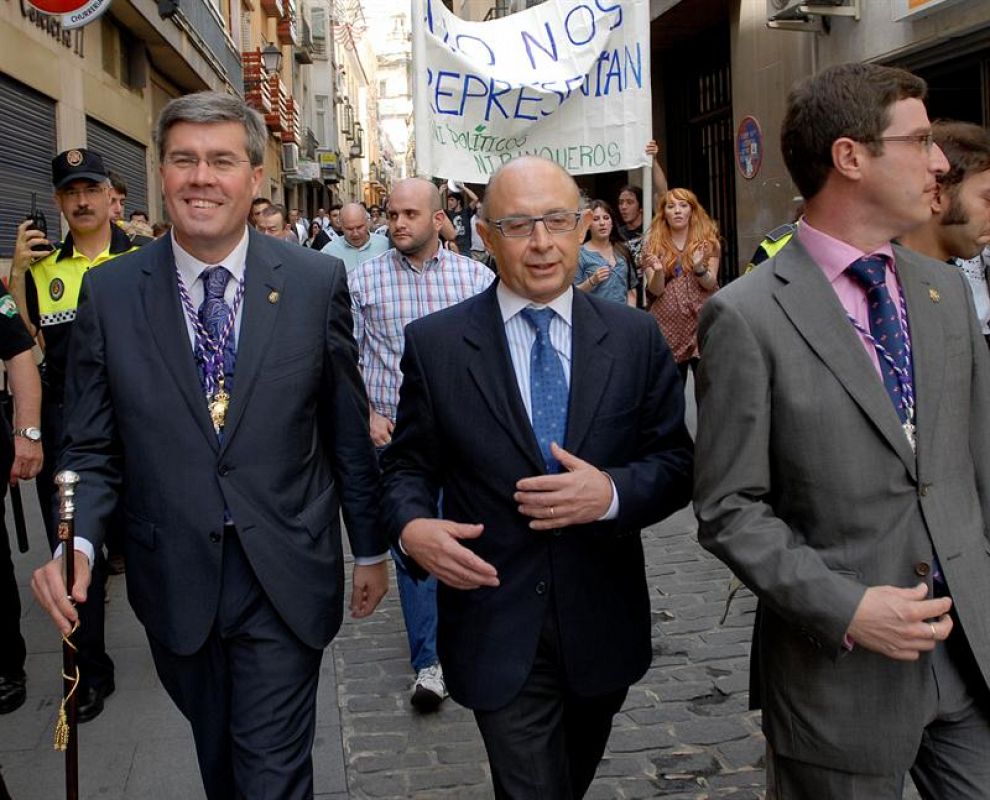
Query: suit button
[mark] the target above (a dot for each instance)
(922, 568)
(215, 537)
(541, 587)
(224, 470)
(923, 489)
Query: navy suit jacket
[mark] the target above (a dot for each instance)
(296, 445)
(462, 427)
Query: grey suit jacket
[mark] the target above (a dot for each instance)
(807, 488)
(296, 447)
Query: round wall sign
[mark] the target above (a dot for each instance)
(73, 13)
(749, 147)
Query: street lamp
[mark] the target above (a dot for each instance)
(271, 58)
(356, 146)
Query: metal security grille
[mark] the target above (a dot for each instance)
(27, 146)
(127, 158)
(700, 132)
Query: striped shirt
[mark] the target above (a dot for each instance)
(387, 293)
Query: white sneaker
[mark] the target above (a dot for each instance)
(429, 690)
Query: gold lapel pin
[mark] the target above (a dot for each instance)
(273, 297)
(934, 295)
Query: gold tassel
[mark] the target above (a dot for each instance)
(62, 723)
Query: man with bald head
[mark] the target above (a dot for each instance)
(409, 281)
(357, 244)
(552, 425)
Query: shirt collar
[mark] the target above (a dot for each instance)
(511, 303)
(434, 261)
(120, 242)
(190, 267)
(833, 255)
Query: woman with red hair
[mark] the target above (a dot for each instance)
(680, 258)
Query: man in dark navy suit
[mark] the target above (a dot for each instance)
(553, 425)
(213, 392)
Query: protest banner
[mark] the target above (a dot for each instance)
(567, 79)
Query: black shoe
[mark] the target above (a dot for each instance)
(13, 693)
(91, 699)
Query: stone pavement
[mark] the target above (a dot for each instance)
(684, 731)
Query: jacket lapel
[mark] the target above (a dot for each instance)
(815, 311)
(263, 280)
(490, 367)
(591, 366)
(166, 322)
(927, 342)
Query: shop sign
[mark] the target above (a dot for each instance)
(72, 13)
(906, 9)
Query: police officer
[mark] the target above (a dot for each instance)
(20, 458)
(46, 292)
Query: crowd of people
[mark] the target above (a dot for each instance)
(471, 381)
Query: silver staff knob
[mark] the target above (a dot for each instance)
(66, 480)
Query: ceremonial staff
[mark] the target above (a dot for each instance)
(65, 728)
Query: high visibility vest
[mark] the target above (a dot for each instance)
(58, 277)
(772, 244)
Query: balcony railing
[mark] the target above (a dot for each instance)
(273, 8)
(208, 35)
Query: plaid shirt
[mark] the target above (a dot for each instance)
(387, 293)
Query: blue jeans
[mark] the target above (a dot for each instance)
(419, 608)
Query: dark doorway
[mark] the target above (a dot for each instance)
(697, 88)
(958, 77)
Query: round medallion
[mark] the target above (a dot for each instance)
(74, 158)
(56, 289)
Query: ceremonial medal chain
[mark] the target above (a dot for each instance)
(217, 397)
(901, 372)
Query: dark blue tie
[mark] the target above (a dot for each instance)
(885, 326)
(547, 387)
(213, 313)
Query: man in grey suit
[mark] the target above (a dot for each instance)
(213, 392)
(843, 463)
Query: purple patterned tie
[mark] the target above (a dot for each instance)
(885, 324)
(213, 313)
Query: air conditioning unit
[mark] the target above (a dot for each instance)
(808, 14)
(290, 158)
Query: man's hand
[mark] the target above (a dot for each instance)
(433, 543)
(23, 255)
(900, 623)
(28, 458)
(381, 429)
(370, 585)
(581, 494)
(48, 586)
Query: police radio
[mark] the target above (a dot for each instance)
(38, 223)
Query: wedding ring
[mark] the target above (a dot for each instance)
(934, 632)
(551, 517)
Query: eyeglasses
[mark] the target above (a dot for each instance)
(519, 227)
(220, 165)
(926, 140)
(88, 192)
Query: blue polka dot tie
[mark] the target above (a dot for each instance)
(547, 387)
(213, 314)
(885, 326)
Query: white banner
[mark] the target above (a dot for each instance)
(567, 80)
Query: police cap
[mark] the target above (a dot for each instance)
(77, 165)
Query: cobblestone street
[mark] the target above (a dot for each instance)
(684, 732)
